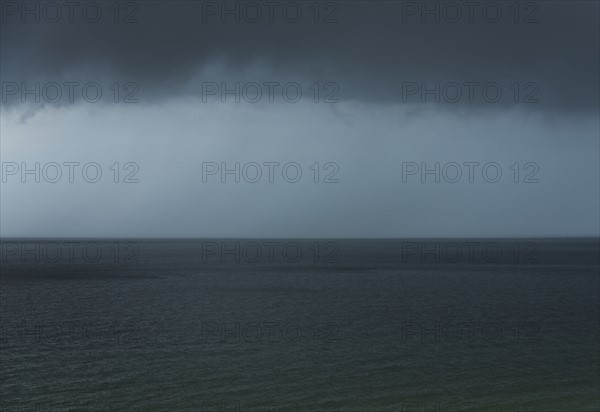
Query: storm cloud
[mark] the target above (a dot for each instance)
(368, 48)
(387, 87)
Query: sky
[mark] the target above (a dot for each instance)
(344, 119)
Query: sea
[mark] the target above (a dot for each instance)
(314, 325)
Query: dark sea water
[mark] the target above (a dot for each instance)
(248, 325)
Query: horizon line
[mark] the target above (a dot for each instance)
(562, 237)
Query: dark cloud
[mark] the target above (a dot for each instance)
(372, 49)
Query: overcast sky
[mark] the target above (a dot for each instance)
(371, 128)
